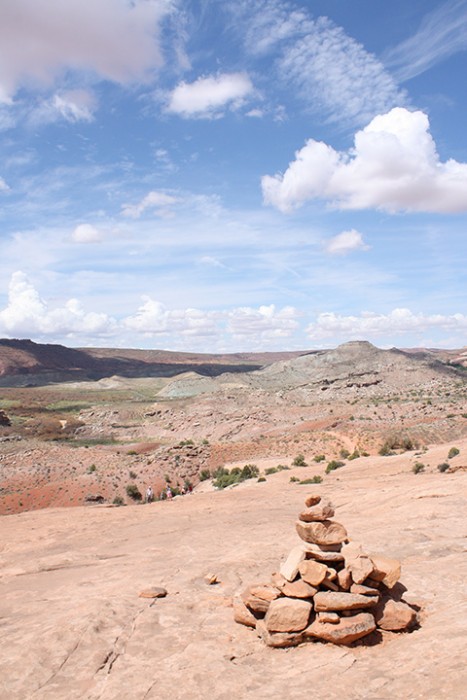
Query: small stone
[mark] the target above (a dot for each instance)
(298, 589)
(312, 572)
(330, 585)
(289, 569)
(242, 614)
(358, 563)
(385, 569)
(393, 615)
(278, 580)
(328, 600)
(344, 579)
(278, 639)
(211, 579)
(345, 631)
(257, 605)
(265, 592)
(331, 617)
(364, 590)
(312, 500)
(322, 533)
(288, 615)
(319, 512)
(154, 592)
(315, 551)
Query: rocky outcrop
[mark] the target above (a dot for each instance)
(327, 589)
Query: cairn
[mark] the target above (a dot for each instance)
(327, 589)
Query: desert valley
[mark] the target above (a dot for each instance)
(382, 434)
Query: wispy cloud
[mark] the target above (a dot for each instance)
(345, 243)
(442, 33)
(393, 166)
(208, 96)
(331, 72)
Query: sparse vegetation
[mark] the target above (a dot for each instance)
(319, 458)
(294, 479)
(204, 475)
(453, 452)
(133, 492)
(224, 477)
(314, 480)
(355, 455)
(92, 468)
(299, 461)
(443, 467)
(397, 442)
(261, 478)
(334, 464)
(132, 474)
(118, 501)
(418, 467)
(344, 453)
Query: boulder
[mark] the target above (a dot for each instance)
(278, 639)
(345, 631)
(242, 614)
(385, 569)
(289, 569)
(288, 615)
(393, 615)
(257, 605)
(323, 511)
(329, 600)
(322, 533)
(312, 572)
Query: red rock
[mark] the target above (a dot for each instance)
(319, 512)
(322, 533)
(358, 563)
(315, 551)
(312, 572)
(288, 615)
(265, 592)
(298, 589)
(330, 617)
(385, 569)
(328, 600)
(364, 590)
(242, 614)
(345, 631)
(154, 592)
(258, 605)
(278, 639)
(312, 500)
(289, 569)
(344, 579)
(393, 615)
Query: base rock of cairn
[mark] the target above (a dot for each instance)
(327, 589)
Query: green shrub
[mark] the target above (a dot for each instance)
(224, 478)
(282, 467)
(132, 474)
(355, 455)
(204, 475)
(334, 464)
(453, 452)
(133, 492)
(271, 470)
(118, 501)
(397, 442)
(92, 469)
(418, 467)
(261, 478)
(343, 454)
(443, 467)
(294, 479)
(319, 458)
(314, 480)
(299, 461)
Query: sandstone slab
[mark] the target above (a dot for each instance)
(265, 592)
(323, 533)
(298, 589)
(359, 564)
(394, 616)
(344, 579)
(329, 600)
(257, 605)
(345, 631)
(312, 500)
(385, 569)
(153, 592)
(288, 615)
(289, 568)
(278, 640)
(323, 511)
(313, 572)
(242, 614)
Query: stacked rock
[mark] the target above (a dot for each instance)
(327, 589)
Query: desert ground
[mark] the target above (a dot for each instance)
(73, 563)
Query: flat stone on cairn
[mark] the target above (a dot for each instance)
(328, 589)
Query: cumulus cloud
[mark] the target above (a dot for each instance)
(265, 321)
(207, 97)
(153, 318)
(27, 314)
(373, 325)
(41, 39)
(346, 242)
(86, 233)
(393, 166)
(160, 202)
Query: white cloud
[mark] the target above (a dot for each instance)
(3, 185)
(158, 201)
(442, 33)
(373, 325)
(27, 314)
(86, 233)
(346, 242)
(393, 166)
(207, 97)
(331, 72)
(113, 39)
(265, 321)
(73, 106)
(154, 318)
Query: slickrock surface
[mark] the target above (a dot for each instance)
(73, 626)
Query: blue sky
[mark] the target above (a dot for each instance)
(228, 175)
